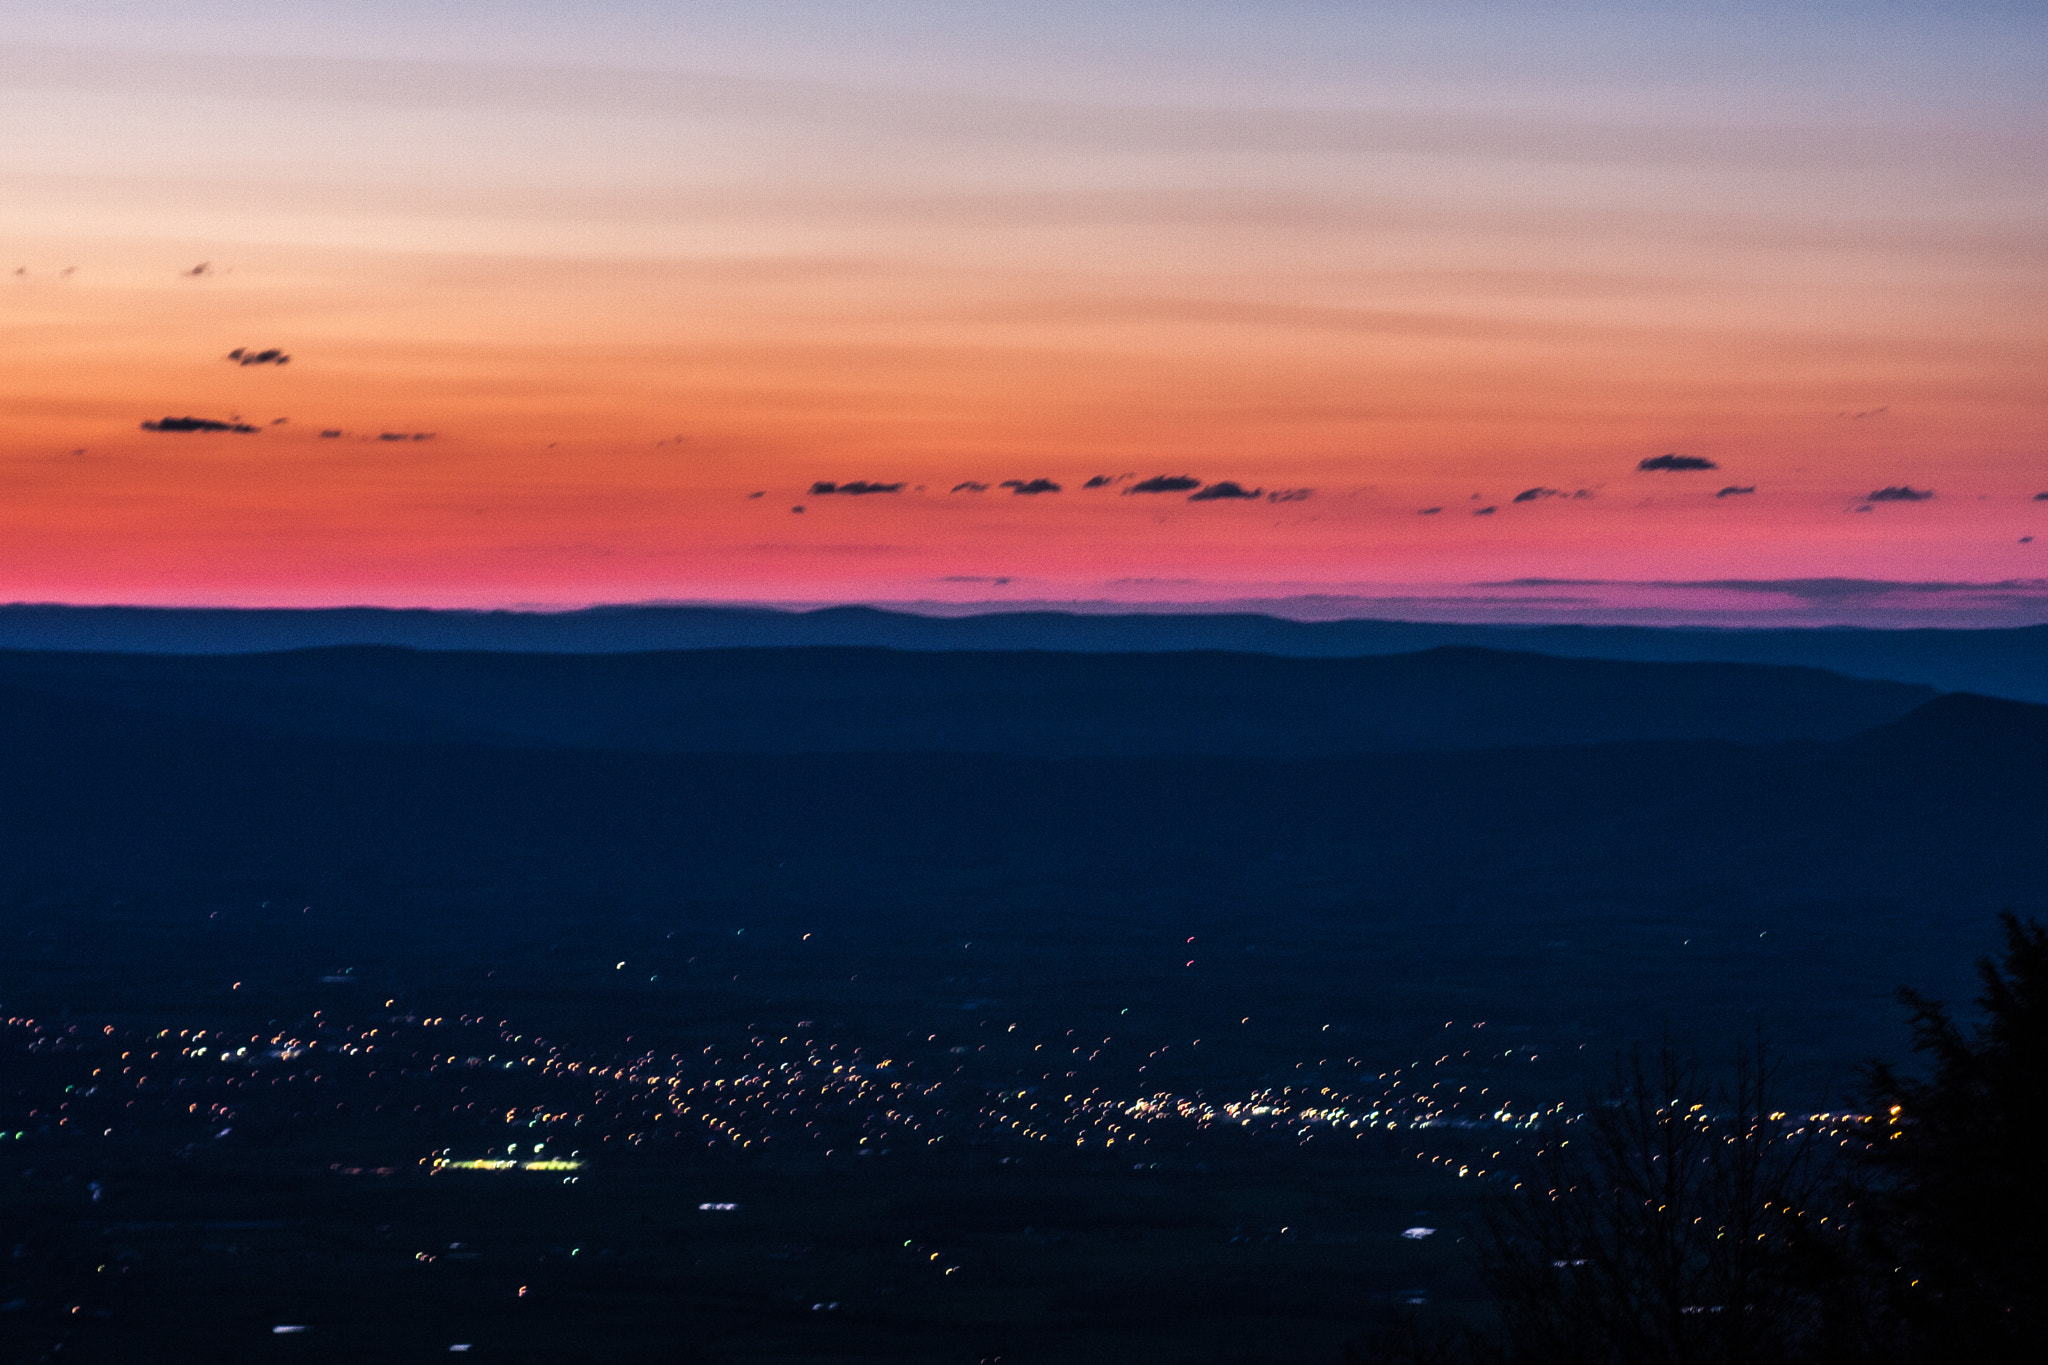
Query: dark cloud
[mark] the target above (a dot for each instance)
(1735, 490)
(1806, 589)
(1165, 483)
(1019, 487)
(1675, 463)
(1536, 494)
(405, 435)
(1104, 480)
(1901, 493)
(970, 487)
(2041, 497)
(196, 424)
(1290, 495)
(243, 356)
(1484, 511)
(796, 509)
(973, 578)
(856, 488)
(203, 268)
(330, 434)
(1427, 511)
(1225, 490)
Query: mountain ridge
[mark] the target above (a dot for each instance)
(2009, 662)
(1024, 704)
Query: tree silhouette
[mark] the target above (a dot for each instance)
(1956, 1217)
(1666, 1225)
(1678, 1222)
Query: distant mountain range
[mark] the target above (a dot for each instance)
(485, 779)
(1556, 838)
(2008, 663)
(1027, 704)
(1938, 813)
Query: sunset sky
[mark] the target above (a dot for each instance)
(611, 269)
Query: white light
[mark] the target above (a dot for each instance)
(718, 1208)
(285, 1331)
(1417, 1234)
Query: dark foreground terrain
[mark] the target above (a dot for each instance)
(1097, 1049)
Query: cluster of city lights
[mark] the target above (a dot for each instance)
(770, 1090)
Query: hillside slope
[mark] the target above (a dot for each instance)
(1024, 704)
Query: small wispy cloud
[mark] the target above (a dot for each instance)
(190, 424)
(1900, 493)
(1165, 483)
(1225, 490)
(245, 357)
(1674, 463)
(1736, 490)
(857, 488)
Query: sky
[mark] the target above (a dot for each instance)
(1333, 301)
